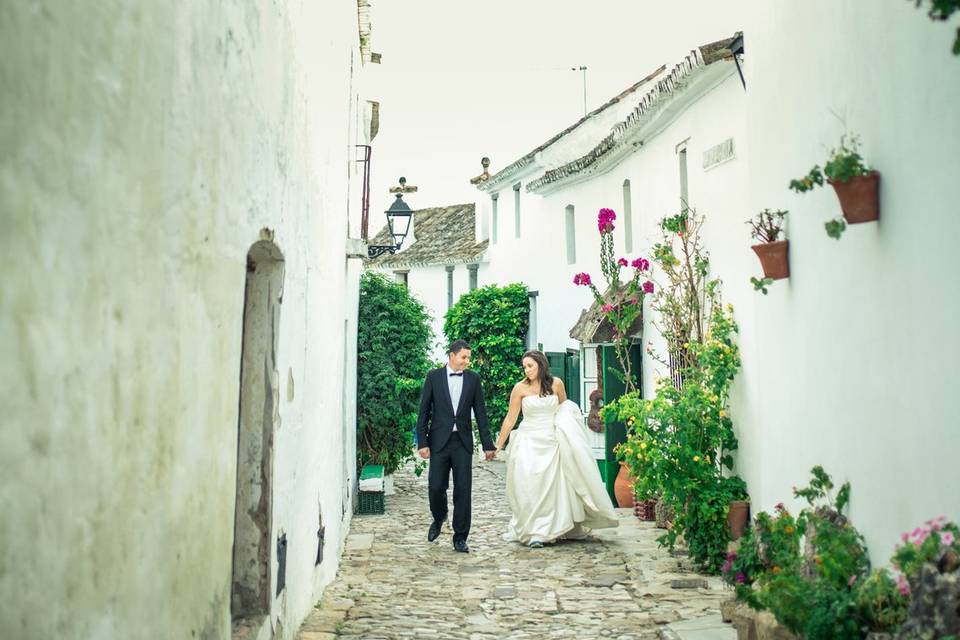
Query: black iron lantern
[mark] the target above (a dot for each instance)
(399, 217)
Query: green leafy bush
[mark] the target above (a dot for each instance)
(393, 341)
(493, 320)
(680, 443)
(823, 588)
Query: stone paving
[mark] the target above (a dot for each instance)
(392, 583)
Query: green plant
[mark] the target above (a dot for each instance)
(879, 604)
(393, 340)
(680, 442)
(767, 226)
(761, 284)
(942, 10)
(493, 320)
(686, 294)
(927, 544)
(845, 164)
(812, 592)
(622, 302)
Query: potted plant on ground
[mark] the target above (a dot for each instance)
(767, 228)
(857, 186)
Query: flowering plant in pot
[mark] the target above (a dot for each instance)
(928, 571)
(767, 228)
(622, 303)
(856, 185)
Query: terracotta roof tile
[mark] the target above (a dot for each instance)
(444, 235)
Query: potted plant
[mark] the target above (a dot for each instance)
(767, 228)
(856, 185)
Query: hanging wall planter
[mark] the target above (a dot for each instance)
(767, 227)
(774, 258)
(859, 197)
(856, 185)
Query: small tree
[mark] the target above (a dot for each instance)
(393, 341)
(493, 320)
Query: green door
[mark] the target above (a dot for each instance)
(571, 378)
(615, 432)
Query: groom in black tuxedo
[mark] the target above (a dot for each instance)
(445, 436)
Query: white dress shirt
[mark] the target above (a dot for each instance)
(455, 385)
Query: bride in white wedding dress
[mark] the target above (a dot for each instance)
(553, 484)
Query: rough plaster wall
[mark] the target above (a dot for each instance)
(142, 148)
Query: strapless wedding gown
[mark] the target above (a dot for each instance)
(553, 484)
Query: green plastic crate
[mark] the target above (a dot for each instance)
(370, 502)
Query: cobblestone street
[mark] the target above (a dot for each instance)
(392, 583)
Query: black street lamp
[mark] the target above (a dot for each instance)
(399, 216)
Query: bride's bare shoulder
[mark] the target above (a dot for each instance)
(521, 389)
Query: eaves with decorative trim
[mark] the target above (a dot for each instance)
(528, 163)
(695, 75)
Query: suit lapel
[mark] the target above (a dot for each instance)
(445, 385)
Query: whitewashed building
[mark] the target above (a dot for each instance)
(178, 326)
(439, 261)
(850, 362)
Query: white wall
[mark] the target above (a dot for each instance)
(428, 284)
(849, 363)
(144, 148)
(855, 355)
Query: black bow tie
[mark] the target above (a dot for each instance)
(458, 374)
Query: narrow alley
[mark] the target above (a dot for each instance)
(392, 583)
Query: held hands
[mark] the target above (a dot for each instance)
(490, 455)
(424, 453)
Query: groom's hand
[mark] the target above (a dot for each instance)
(490, 454)
(424, 453)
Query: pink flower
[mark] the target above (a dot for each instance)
(648, 287)
(946, 538)
(779, 506)
(904, 536)
(622, 262)
(607, 308)
(902, 585)
(919, 535)
(640, 264)
(727, 565)
(582, 279)
(852, 579)
(605, 220)
(740, 578)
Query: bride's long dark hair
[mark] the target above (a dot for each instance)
(546, 380)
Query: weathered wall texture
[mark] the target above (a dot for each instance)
(143, 147)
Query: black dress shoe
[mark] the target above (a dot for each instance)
(434, 530)
(461, 546)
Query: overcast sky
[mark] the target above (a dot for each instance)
(462, 80)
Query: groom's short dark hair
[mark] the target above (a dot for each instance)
(457, 346)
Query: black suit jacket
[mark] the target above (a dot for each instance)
(438, 415)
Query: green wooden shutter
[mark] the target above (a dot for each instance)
(571, 378)
(555, 359)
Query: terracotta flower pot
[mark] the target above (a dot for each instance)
(737, 515)
(623, 487)
(859, 198)
(774, 258)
